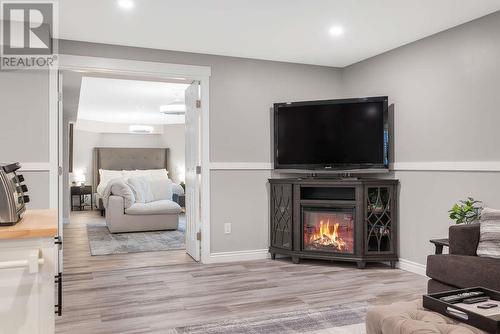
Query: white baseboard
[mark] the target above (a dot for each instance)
(262, 254)
(247, 255)
(412, 267)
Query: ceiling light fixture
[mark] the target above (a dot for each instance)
(140, 129)
(336, 31)
(126, 4)
(173, 109)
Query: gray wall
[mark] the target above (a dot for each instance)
(445, 91)
(242, 92)
(24, 127)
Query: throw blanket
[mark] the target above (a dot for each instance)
(489, 242)
(118, 187)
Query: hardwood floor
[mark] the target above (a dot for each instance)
(158, 291)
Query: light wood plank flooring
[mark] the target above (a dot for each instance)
(158, 291)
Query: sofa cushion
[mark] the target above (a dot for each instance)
(489, 241)
(163, 207)
(464, 271)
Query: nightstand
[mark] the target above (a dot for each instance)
(82, 192)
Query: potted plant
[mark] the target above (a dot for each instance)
(466, 212)
(378, 200)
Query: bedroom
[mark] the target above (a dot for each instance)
(129, 129)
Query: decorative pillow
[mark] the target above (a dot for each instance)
(120, 188)
(161, 189)
(141, 188)
(489, 240)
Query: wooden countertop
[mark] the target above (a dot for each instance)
(34, 224)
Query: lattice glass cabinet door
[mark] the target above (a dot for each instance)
(379, 219)
(281, 215)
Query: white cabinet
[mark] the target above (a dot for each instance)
(27, 288)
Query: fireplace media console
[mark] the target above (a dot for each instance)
(330, 219)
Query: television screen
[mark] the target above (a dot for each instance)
(334, 134)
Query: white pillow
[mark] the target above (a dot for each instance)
(161, 189)
(177, 189)
(141, 188)
(142, 173)
(127, 174)
(158, 173)
(107, 175)
(147, 173)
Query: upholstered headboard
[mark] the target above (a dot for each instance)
(112, 158)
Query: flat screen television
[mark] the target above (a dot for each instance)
(333, 135)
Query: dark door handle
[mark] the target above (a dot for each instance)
(58, 306)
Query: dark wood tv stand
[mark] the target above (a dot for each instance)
(351, 220)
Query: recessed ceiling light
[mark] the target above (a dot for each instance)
(126, 4)
(336, 31)
(140, 129)
(174, 109)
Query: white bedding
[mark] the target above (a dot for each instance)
(107, 175)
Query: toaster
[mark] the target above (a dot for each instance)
(12, 194)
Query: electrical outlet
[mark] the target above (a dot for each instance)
(227, 228)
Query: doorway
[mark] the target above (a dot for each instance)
(196, 171)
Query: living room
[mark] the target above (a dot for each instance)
(436, 62)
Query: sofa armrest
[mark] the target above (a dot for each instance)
(464, 239)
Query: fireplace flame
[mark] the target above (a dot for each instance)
(328, 236)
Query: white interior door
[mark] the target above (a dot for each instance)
(60, 161)
(193, 171)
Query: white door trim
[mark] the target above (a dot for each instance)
(156, 70)
(53, 140)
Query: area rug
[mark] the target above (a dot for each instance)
(338, 319)
(102, 242)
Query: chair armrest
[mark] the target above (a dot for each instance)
(464, 239)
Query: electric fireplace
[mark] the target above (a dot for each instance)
(328, 230)
(334, 219)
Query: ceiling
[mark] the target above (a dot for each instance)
(283, 30)
(124, 101)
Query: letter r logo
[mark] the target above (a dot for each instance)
(27, 28)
